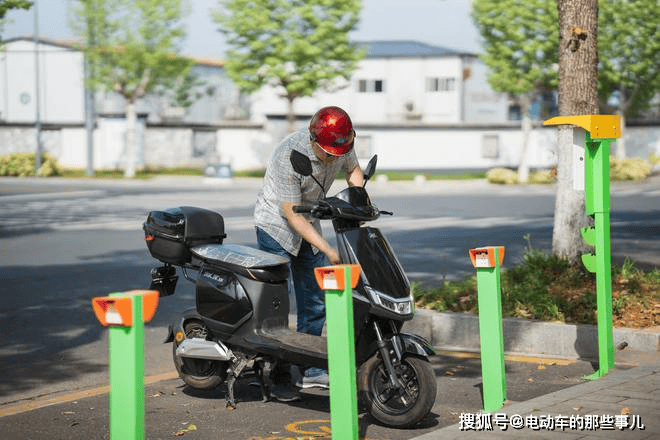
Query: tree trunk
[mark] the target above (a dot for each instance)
(290, 115)
(578, 95)
(523, 166)
(621, 152)
(131, 138)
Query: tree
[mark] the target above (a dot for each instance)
(299, 45)
(132, 46)
(8, 5)
(520, 51)
(629, 50)
(577, 87)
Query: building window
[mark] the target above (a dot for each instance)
(440, 84)
(490, 146)
(371, 86)
(364, 147)
(515, 112)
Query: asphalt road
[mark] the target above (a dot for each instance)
(64, 242)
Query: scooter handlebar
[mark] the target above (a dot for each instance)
(302, 209)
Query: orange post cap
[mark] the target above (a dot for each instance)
(485, 256)
(598, 126)
(118, 309)
(332, 277)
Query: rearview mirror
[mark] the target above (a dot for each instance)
(371, 168)
(301, 163)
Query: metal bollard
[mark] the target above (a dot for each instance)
(594, 133)
(125, 314)
(338, 283)
(487, 261)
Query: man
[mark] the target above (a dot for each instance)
(328, 142)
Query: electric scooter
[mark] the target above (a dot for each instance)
(240, 323)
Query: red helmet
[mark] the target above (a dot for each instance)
(332, 129)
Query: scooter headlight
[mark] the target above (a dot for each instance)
(401, 306)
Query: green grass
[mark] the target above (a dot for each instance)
(545, 287)
(145, 173)
(410, 175)
(148, 173)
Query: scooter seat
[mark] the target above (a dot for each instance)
(250, 262)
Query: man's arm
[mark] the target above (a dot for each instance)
(355, 177)
(307, 231)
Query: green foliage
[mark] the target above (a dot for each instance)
(629, 52)
(654, 158)
(520, 39)
(131, 46)
(546, 287)
(629, 169)
(7, 5)
(300, 45)
(23, 165)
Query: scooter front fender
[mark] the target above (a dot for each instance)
(178, 324)
(416, 345)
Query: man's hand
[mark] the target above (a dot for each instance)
(308, 233)
(333, 257)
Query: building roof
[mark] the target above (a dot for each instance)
(407, 48)
(77, 45)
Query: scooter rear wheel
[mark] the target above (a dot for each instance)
(201, 374)
(397, 408)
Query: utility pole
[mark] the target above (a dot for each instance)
(90, 112)
(37, 164)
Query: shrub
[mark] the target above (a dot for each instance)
(629, 169)
(502, 176)
(547, 176)
(654, 159)
(23, 164)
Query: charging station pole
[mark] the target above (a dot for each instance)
(338, 283)
(125, 315)
(592, 136)
(487, 261)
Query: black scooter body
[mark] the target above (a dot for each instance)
(242, 300)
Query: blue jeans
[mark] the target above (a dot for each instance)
(310, 299)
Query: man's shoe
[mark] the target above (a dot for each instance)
(314, 378)
(284, 393)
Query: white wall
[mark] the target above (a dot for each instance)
(61, 91)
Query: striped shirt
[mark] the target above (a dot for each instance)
(283, 184)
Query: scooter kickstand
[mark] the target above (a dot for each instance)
(231, 402)
(236, 370)
(259, 371)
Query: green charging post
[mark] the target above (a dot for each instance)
(592, 135)
(125, 314)
(338, 283)
(487, 261)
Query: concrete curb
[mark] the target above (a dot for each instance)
(567, 395)
(460, 331)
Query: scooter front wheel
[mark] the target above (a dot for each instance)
(202, 374)
(402, 407)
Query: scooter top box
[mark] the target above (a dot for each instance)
(171, 233)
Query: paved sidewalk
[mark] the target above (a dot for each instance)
(625, 404)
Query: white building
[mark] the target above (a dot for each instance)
(419, 107)
(61, 93)
(402, 82)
